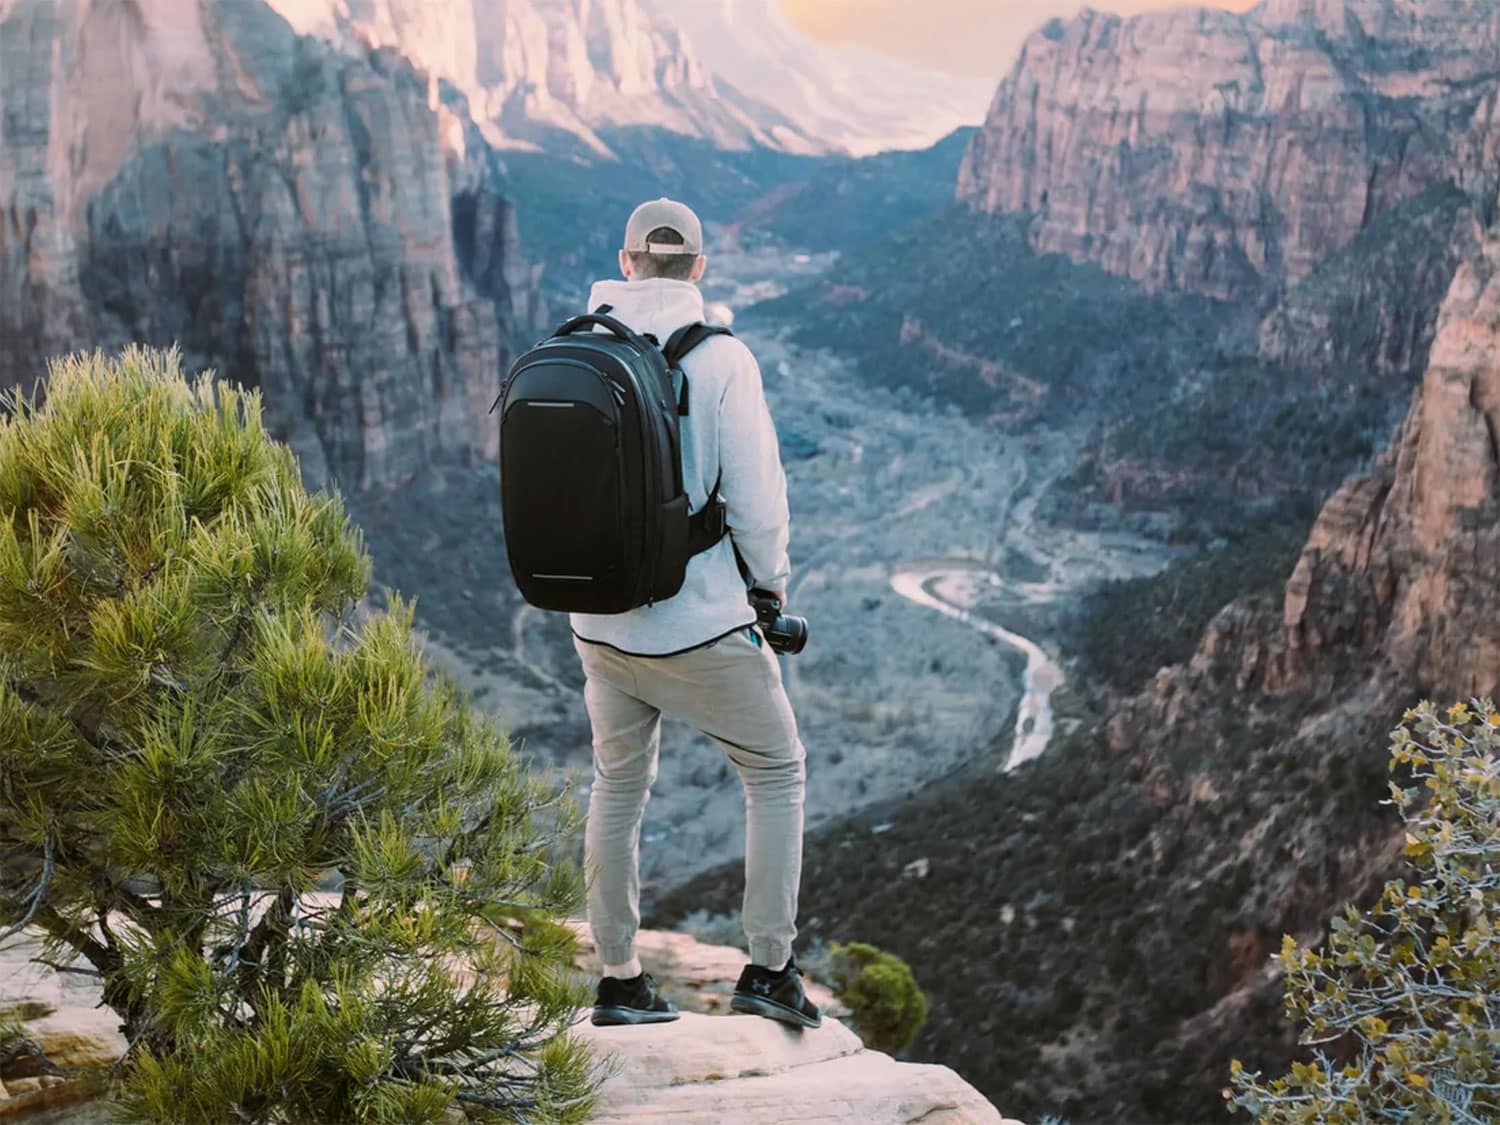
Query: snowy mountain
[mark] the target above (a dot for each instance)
(732, 72)
(849, 98)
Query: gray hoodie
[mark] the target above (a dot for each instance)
(728, 429)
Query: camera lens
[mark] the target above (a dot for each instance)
(789, 635)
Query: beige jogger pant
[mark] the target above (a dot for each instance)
(732, 692)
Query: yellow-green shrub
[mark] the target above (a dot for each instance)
(887, 1005)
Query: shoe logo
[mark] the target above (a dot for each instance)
(764, 987)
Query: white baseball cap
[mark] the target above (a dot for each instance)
(655, 215)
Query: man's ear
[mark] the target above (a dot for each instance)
(699, 267)
(626, 269)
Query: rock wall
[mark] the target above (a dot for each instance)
(1225, 154)
(537, 71)
(1405, 558)
(1396, 589)
(179, 170)
(1371, 307)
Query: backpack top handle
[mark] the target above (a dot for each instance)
(589, 320)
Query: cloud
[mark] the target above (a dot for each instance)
(969, 36)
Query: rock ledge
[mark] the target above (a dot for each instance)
(741, 1069)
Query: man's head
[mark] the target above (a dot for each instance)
(663, 239)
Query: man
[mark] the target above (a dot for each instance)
(697, 656)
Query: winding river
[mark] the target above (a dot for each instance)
(1034, 722)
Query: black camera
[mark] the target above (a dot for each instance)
(783, 633)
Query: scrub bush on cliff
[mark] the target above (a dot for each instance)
(887, 1006)
(1404, 997)
(195, 734)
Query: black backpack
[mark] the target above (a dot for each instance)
(596, 516)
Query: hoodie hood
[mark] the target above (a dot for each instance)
(658, 305)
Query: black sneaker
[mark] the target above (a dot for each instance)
(631, 1001)
(762, 992)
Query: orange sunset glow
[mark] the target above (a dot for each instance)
(968, 36)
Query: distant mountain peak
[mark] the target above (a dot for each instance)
(533, 69)
(849, 98)
(732, 72)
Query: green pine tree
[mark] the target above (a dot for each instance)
(197, 733)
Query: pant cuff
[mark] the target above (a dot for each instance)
(766, 951)
(621, 954)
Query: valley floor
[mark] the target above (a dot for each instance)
(890, 695)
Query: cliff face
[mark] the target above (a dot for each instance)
(178, 170)
(1396, 588)
(531, 69)
(1406, 557)
(1223, 154)
(1371, 307)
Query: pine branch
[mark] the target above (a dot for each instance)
(49, 864)
(269, 932)
(103, 958)
(18, 1044)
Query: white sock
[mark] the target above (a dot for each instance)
(777, 968)
(624, 972)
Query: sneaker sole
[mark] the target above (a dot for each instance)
(760, 1006)
(620, 1017)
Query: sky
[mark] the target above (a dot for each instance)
(967, 36)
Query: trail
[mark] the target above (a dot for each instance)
(1043, 676)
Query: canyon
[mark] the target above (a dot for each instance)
(313, 223)
(1176, 237)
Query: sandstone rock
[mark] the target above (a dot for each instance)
(1405, 558)
(1224, 153)
(67, 1023)
(1397, 580)
(741, 1069)
(701, 1068)
(282, 209)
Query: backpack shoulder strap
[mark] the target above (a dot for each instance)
(688, 337)
(677, 348)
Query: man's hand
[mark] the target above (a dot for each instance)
(777, 592)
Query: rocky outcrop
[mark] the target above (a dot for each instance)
(1225, 154)
(60, 1013)
(317, 223)
(694, 975)
(708, 1067)
(734, 1070)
